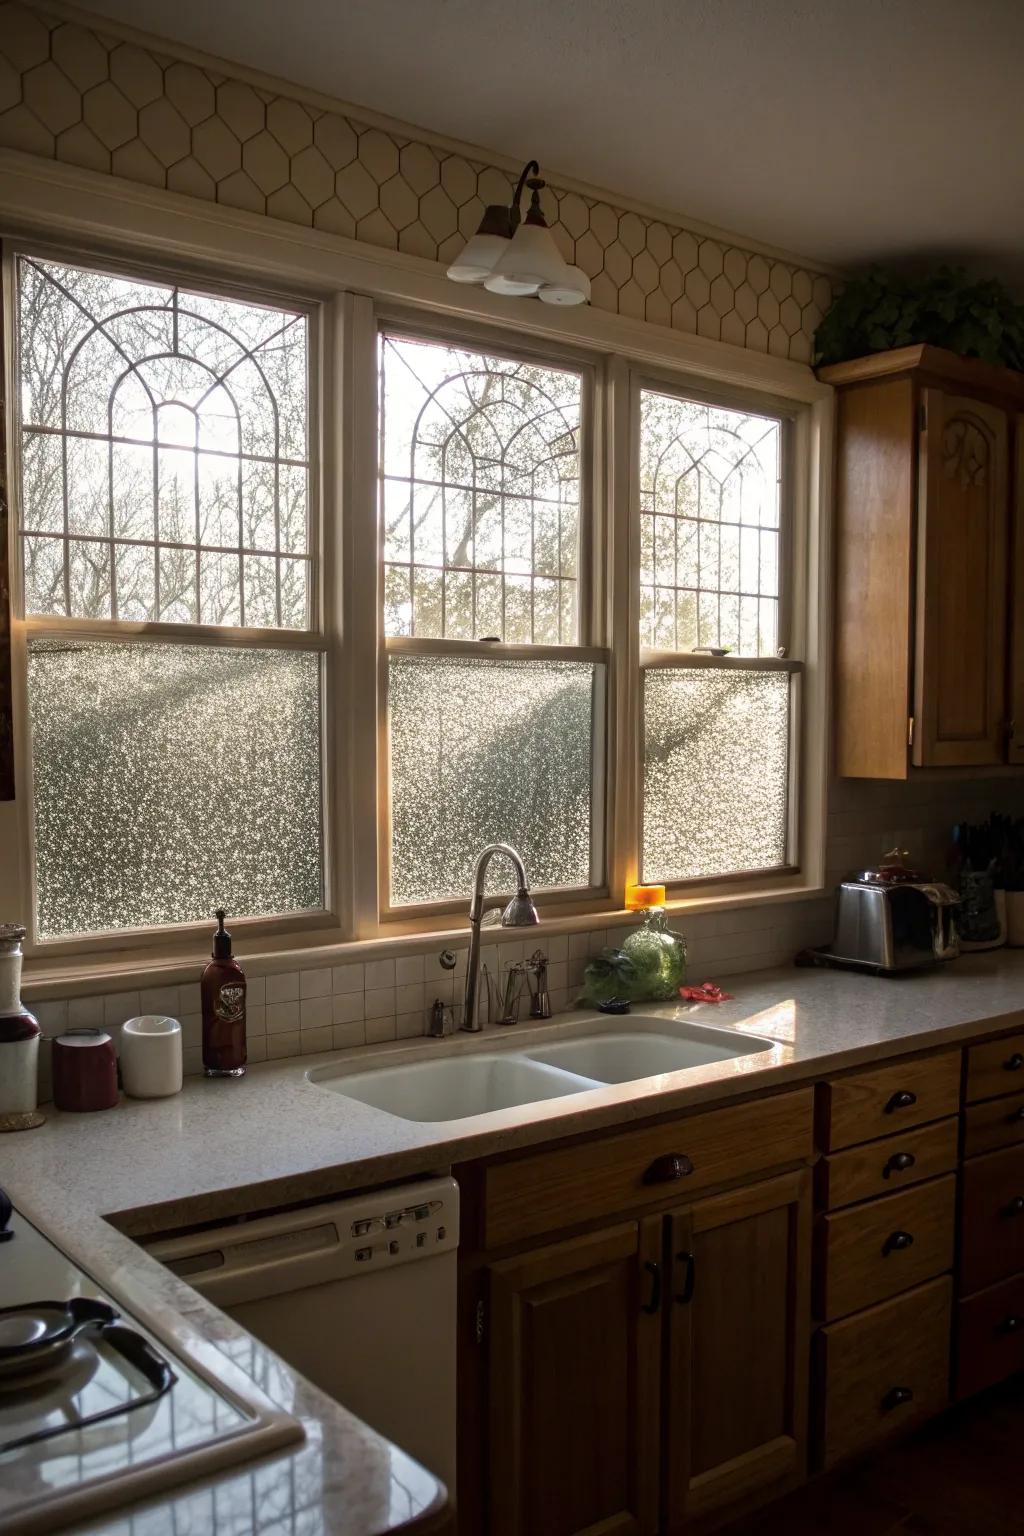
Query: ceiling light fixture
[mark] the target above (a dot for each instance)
(518, 257)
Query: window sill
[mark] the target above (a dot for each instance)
(46, 976)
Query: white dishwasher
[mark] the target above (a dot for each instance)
(358, 1294)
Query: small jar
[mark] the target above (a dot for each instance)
(19, 1031)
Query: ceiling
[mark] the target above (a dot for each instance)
(842, 130)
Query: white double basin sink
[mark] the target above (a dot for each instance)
(469, 1082)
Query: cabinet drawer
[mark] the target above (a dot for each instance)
(864, 1105)
(995, 1067)
(990, 1336)
(874, 1251)
(883, 1167)
(997, 1123)
(882, 1369)
(636, 1170)
(992, 1224)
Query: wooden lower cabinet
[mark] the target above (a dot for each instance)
(575, 1343)
(738, 1326)
(651, 1377)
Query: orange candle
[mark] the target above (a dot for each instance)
(640, 897)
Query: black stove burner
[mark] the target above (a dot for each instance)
(35, 1338)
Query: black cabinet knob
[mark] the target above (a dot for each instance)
(897, 1397)
(1015, 1207)
(1013, 1063)
(665, 1170)
(902, 1100)
(1010, 1324)
(897, 1241)
(1018, 1114)
(898, 1163)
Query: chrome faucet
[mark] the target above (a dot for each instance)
(520, 913)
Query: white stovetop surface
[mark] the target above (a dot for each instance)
(221, 1148)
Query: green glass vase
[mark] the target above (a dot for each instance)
(658, 954)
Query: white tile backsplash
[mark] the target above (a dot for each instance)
(283, 988)
(315, 1013)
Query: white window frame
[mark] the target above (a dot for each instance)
(81, 213)
(792, 536)
(590, 646)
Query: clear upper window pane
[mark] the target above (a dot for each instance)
(709, 527)
(170, 780)
(480, 494)
(716, 772)
(164, 452)
(489, 752)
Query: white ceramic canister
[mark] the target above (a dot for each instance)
(19, 1031)
(151, 1059)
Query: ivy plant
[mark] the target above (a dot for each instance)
(880, 309)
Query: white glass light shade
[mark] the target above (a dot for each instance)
(572, 288)
(478, 258)
(530, 259)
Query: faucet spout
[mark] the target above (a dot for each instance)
(520, 913)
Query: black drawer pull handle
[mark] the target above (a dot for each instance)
(1010, 1324)
(898, 1163)
(1018, 1114)
(897, 1241)
(654, 1304)
(1015, 1207)
(685, 1296)
(1014, 1063)
(665, 1170)
(901, 1100)
(897, 1397)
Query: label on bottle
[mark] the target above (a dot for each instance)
(230, 1003)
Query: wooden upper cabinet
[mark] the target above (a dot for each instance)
(1015, 744)
(575, 1333)
(923, 544)
(963, 543)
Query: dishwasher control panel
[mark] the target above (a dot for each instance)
(330, 1240)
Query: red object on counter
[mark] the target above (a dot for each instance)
(707, 992)
(84, 1071)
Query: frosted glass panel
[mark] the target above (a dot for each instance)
(173, 779)
(163, 436)
(488, 752)
(480, 487)
(716, 768)
(709, 527)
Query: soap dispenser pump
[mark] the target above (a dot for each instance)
(223, 996)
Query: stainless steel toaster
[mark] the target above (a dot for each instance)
(893, 919)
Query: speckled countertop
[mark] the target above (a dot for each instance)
(94, 1182)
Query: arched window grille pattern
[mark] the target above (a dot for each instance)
(165, 470)
(709, 527)
(480, 489)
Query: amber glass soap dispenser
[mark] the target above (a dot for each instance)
(223, 992)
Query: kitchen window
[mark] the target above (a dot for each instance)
(165, 453)
(719, 686)
(494, 700)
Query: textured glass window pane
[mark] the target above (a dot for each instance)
(173, 779)
(480, 471)
(709, 527)
(155, 415)
(716, 766)
(487, 752)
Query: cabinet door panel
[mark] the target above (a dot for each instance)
(574, 1386)
(738, 1349)
(963, 544)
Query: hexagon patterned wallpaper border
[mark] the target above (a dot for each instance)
(88, 98)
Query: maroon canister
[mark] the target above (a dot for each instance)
(84, 1070)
